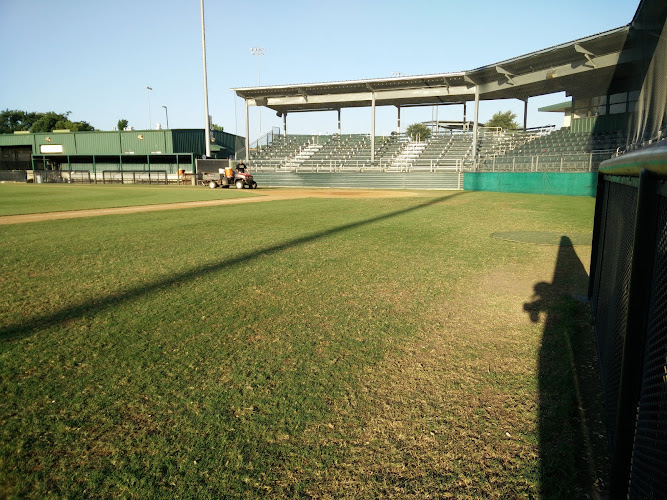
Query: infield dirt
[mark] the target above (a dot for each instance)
(271, 195)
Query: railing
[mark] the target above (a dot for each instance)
(342, 165)
(263, 141)
(563, 162)
(543, 130)
(135, 177)
(547, 162)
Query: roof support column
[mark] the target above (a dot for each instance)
(474, 128)
(247, 133)
(373, 126)
(398, 120)
(285, 123)
(465, 125)
(525, 114)
(338, 121)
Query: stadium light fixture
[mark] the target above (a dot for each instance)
(148, 89)
(258, 51)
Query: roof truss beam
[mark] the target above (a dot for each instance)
(357, 98)
(553, 74)
(587, 54)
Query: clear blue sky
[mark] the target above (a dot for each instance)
(95, 58)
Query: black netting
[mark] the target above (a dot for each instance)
(649, 461)
(13, 175)
(597, 265)
(612, 291)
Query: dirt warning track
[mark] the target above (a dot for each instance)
(271, 195)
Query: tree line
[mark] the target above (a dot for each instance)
(504, 120)
(13, 120)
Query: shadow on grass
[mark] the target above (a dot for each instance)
(573, 455)
(99, 304)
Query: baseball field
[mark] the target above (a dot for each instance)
(318, 343)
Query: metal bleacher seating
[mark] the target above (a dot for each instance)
(557, 151)
(497, 150)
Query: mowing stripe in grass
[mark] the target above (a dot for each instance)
(14, 331)
(27, 199)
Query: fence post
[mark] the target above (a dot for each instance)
(639, 292)
(597, 237)
(590, 161)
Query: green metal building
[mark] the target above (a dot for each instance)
(168, 150)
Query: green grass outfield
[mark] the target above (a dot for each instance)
(355, 348)
(18, 199)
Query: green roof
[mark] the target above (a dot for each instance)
(561, 107)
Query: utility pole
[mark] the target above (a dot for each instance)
(207, 128)
(258, 51)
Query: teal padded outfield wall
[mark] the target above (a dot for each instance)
(565, 183)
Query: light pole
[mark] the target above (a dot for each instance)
(148, 89)
(258, 51)
(166, 114)
(207, 128)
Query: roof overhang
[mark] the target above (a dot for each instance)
(561, 107)
(586, 65)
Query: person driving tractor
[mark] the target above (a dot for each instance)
(240, 167)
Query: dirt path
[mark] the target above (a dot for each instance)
(271, 195)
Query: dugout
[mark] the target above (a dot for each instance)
(122, 151)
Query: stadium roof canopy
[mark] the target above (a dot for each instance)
(568, 67)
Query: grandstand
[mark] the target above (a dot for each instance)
(543, 149)
(609, 77)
